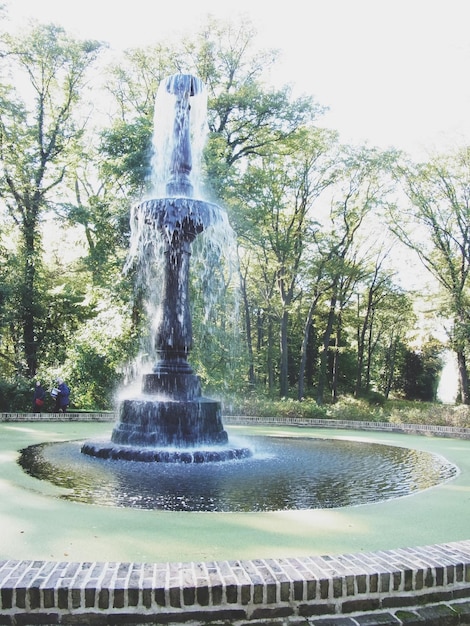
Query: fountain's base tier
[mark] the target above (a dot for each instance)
(168, 423)
(106, 450)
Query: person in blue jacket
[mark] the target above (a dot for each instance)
(62, 400)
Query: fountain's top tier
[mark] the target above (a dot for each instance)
(181, 87)
(184, 85)
(179, 215)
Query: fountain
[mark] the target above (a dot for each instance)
(60, 579)
(171, 421)
(177, 432)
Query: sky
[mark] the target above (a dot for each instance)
(392, 72)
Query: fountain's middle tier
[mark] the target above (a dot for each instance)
(180, 216)
(178, 220)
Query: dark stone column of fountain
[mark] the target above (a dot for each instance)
(172, 411)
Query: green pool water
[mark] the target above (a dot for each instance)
(37, 523)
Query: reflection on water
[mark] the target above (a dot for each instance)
(282, 474)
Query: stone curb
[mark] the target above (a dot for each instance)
(455, 432)
(247, 420)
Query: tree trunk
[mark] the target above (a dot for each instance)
(361, 346)
(369, 352)
(28, 298)
(334, 386)
(303, 352)
(463, 377)
(270, 359)
(322, 377)
(284, 369)
(304, 348)
(249, 339)
(390, 367)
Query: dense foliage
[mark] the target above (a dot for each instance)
(308, 304)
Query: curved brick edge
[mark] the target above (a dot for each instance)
(386, 584)
(423, 585)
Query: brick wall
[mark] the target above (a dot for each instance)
(384, 584)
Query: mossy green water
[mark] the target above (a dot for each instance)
(37, 524)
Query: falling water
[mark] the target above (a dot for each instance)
(214, 252)
(163, 141)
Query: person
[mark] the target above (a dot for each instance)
(62, 399)
(38, 397)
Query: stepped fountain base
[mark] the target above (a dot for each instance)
(166, 422)
(186, 430)
(106, 450)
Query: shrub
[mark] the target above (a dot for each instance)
(254, 404)
(16, 395)
(349, 408)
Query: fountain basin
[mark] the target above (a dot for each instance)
(277, 473)
(49, 526)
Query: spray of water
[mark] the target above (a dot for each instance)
(163, 142)
(213, 254)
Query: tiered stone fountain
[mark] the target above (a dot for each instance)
(171, 421)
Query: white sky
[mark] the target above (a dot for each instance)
(392, 72)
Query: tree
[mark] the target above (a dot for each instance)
(419, 375)
(378, 288)
(38, 134)
(318, 282)
(437, 228)
(279, 215)
(359, 193)
(10, 277)
(246, 119)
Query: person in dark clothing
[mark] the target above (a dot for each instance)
(62, 400)
(38, 397)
